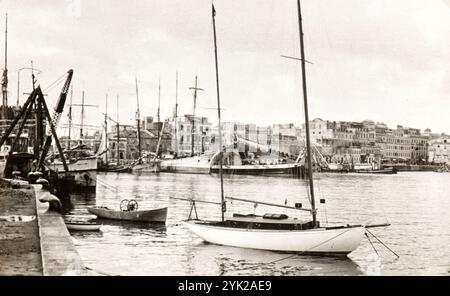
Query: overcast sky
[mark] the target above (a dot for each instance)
(388, 61)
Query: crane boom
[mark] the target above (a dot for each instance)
(56, 116)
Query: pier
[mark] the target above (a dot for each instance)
(33, 240)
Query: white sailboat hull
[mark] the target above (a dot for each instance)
(340, 241)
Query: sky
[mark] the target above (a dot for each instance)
(388, 61)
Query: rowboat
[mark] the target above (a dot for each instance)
(83, 226)
(155, 215)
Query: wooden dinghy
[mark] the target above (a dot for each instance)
(128, 212)
(83, 226)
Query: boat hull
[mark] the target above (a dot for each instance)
(84, 172)
(154, 216)
(319, 241)
(83, 227)
(146, 168)
(2, 168)
(200, 166)
(262, 170)
(378, 172)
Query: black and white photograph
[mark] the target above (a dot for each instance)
(225, 138)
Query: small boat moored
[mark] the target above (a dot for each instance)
(83, 226)
(129, 212)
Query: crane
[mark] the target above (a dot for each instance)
(56, 116)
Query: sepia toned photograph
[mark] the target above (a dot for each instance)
(222, 138)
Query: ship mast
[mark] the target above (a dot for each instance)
(106, 129)
(158, 114)
(138, 119)
(118, 132)
(82, 116)
(223, 209)
(5, 71)
(195, 88)
(176, 114)
(70, 117)
(305, 102)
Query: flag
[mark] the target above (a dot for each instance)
(213, 11)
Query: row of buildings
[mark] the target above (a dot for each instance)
(334, 141)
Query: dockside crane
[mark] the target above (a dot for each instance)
(36, 98)
(55, 121)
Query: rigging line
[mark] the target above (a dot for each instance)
(57, 81)
(108, 186)
(99, 272)
(382, 243)
(370, 241)
(307, 191)
(300, 253)
(322, 196)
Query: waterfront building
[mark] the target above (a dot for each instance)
(155, 132)
(189, 126)
(128, 143)
(402, 145)
(252, 140)
(439, 150)
(237, 136)
(284, 139)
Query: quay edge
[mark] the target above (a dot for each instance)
(59, 255)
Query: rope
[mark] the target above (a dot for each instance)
(325, 204)
(54, 83)
(99, 272)
(297, 254)
(107, 186)
(382, 243)
(371, 244)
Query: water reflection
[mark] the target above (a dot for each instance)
(416, 204)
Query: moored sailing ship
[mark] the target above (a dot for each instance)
(278, 232)
(82, 164)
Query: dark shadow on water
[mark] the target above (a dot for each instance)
(86, 234)
(238, 261)
(78, 203)
(127, 225)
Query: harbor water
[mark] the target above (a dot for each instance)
(417, 204)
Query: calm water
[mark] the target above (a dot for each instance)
(416, 204)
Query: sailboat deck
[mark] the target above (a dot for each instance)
(262, 222)
(259, 219)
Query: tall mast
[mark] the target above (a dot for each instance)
(138, 119)
(195, 88)
(70, 117)
(118, 132)
(218, 113)
(82, 115)
(158, 114)
(106, 129)
(176, 113)
(5, 71)
(33, 78)
(305, 101)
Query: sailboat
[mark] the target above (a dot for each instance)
(278, 232)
